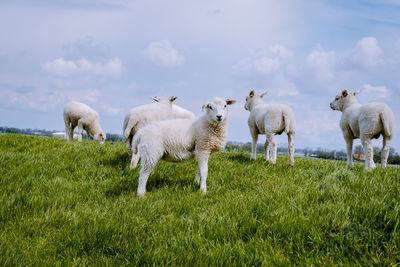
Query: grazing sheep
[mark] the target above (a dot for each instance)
(81, 115)
(181, 139)
(365, 122)
(140, 116)
(270, 119)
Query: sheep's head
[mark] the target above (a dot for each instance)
(100, 137)
(167, 101)
(216, 109)
(343, 99)
(253, 99)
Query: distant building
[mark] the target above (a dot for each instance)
(62, 135)
(59, 134)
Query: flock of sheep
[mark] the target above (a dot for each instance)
(163, 130)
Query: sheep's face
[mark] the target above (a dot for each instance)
(216, 109)
(342, 100)
(101, 137)
(252, 100)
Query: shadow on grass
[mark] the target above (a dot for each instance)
(118, 160)
(156, 181)
(240, 158)
(125, 186)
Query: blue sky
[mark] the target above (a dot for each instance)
(115, 55)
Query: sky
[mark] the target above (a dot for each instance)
(116, 55)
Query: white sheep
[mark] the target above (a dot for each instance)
(81, 115)
(140, 116)
(181, 139)
(181, 113)
(270, 119)
(365, 122)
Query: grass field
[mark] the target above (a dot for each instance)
(69, 203)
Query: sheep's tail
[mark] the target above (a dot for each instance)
(135, 151)
(386, 124)
(287, 121)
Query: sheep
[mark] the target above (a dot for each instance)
(142, 115)
(270, 119)
(365, 122)
(181, 113)
(181, 139)
(81, 115)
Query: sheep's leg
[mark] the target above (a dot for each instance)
(129, 145)
(254, 137)
(369, 152)
(67, 124)
(71, 132)
(291, 148)
(385, 150)
(197, 179)
(80, 130)
(349, 146)
(271, 146)
(134, 160)
(203, 170)
(145, 171)
(266, 150)
(87, 134)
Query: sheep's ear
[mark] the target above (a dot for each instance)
(205, 106)
(263, 94)
(172, 98)
(356, 92)
(251, 94)
(230, 101)
(156, 99)
(344, 93)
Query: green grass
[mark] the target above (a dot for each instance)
(75, 203)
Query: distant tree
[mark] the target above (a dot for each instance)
(114, 138)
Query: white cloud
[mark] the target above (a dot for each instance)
(323, 62)
(87, 47)
(45, 100)
(264, 61)
(162, 53)
(367, 52)
(65, 68)
(266, 65)
(114, 111)
(377, 91)
(86, 95)
(290, 90)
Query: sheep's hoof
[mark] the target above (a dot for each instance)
(203, 190)
(368, 169)
(141, 194)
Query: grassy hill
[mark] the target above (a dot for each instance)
(70, 203)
